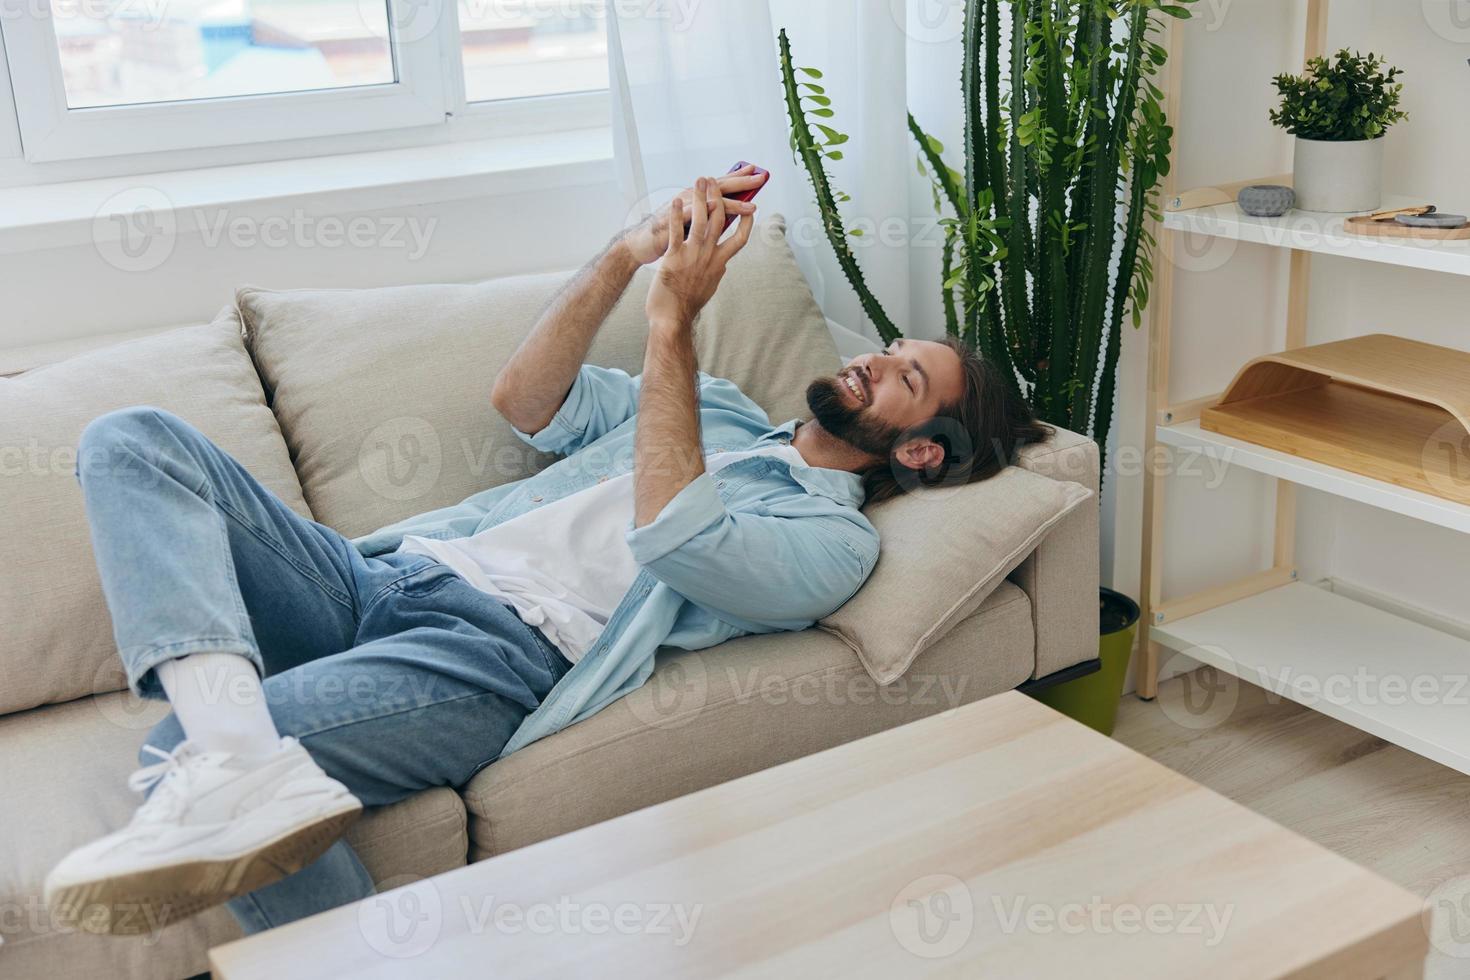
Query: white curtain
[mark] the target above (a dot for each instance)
(697, 87)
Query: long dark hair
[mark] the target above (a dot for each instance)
(980, 433)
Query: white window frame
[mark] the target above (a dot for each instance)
(9, 125)
(429, 92)
(50, 130)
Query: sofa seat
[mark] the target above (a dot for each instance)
(63, 777)
(709, 716)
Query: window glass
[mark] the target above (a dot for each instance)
(126, 52)
(519, 48)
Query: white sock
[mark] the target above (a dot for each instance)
(220, 703)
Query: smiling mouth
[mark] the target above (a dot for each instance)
(853, 385)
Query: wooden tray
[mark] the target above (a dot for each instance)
(1361, 224)
(1385, 407)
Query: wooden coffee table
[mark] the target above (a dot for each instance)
(998, 839)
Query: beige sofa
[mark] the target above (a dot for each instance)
(301, 386)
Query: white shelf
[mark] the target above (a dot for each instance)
(1391, 677)
(1319, 476)
(1315, 231)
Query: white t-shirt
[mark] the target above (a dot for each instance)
(563, 567)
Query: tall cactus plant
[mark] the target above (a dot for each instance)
(1046, 247)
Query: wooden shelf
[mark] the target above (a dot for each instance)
(1319, 476)
(1388, 408)
(1315, 231)
(1392, 677)
(1204, 197)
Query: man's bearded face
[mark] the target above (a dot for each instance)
(853, 424)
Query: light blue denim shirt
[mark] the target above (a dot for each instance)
(760, 546)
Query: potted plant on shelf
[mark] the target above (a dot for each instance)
(1338, 111)
(1046, 248)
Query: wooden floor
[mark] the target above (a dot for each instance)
(1379, 805)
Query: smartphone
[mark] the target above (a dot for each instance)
(745, 195)
(740, 196)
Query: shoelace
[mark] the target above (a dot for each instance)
(165, 778)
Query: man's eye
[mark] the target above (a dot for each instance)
(908, 384)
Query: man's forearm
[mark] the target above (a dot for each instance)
(668, 453)
(535, 381)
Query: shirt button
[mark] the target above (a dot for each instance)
(602, 479)
(536, 499)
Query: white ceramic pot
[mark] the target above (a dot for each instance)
(1338, 176)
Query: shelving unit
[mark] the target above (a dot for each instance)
(1377, 419)
(1323, 234)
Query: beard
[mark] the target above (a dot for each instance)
(852, 425)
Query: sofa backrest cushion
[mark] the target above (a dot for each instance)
(943, 551)
(55, 634)
(384, 394)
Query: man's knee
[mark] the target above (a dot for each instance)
(134, 422)
(135, 427)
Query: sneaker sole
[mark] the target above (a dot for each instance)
(146, 901)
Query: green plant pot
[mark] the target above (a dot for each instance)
(1093, 699)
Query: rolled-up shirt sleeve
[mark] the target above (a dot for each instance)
(691, 510)
(757, 570)
(599, 401)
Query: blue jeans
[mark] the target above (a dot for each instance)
(394, 673)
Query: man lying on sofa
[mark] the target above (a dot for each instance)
(680, 516)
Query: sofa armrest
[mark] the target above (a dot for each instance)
(1062, 575)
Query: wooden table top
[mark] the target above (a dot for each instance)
(997, 839)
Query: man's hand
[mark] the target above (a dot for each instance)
(647, 240)
(667, 455)
(694, 265)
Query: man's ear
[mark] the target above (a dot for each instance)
(920, 454)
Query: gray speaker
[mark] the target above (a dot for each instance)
(1266, 200)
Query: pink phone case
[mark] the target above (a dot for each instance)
(745, 195)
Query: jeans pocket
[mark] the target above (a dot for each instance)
(423, 580)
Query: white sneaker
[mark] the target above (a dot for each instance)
(214, 828)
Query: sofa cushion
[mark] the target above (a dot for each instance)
(944, 550)
(58, 637)
(65, 778)
(384, 394)
(708, 716)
